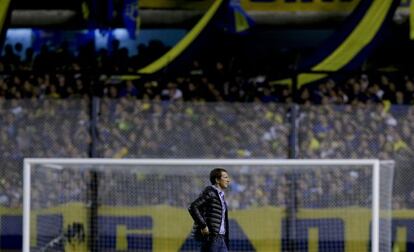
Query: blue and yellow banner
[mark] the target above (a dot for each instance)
(131, 17)
(351, 44)
(237, 20)
(164, 228)
(185, 42)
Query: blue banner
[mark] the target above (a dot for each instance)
(241, 21)
(131, 17)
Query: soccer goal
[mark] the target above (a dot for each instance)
(141, 204)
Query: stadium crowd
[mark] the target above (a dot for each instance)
(209, 111)
(62, 73)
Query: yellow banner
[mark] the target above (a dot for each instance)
(257, 5)
(412, 20)
(164, 228)
(4, 8)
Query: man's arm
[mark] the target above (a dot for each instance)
(195, 209)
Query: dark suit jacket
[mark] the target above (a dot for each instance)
(206, 210)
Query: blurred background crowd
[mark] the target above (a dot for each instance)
(209, 111)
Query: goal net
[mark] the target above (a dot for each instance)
(141, 204)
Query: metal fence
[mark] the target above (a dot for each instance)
(129, 128)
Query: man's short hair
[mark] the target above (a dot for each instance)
(216, 174)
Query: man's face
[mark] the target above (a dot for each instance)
(224, 180)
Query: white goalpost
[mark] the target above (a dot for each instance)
(74, 204)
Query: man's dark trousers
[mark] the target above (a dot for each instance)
(214, 243)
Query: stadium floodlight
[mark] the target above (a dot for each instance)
(141, 204)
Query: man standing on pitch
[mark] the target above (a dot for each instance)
(209, 212)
